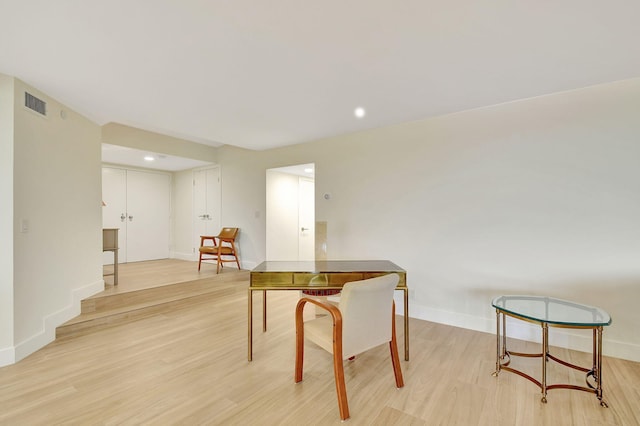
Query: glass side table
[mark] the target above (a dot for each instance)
(551, 312)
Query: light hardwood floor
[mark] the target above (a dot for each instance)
(156, 273)
(188, 366)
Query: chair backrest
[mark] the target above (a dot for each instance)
(229, 233)
(366, 308)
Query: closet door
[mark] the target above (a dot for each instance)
(114, 195)
(138, 203)
(206, 204)
(148, 215)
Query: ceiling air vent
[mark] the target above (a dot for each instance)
(35, 104)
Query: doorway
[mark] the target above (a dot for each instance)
(290, 213)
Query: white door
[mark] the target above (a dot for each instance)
(290, 215)
(148, 215)
(114, 212)
(206, 203)
(282, 216)
(306, 219)
(139, 204)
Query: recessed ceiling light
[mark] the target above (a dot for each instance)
(148, 158)
(359, 112)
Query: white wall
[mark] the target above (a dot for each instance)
(243, 197)
(538, 196)
(57, 187)
(6, 220)
(182, 218)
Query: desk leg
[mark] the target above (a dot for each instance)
(264, 310)
(406, 324)
(250, 342)
(115, 267)
(545, 353)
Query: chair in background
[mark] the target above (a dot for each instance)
(364, 319)
(222, 250)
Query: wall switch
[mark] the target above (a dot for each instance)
(24, 226)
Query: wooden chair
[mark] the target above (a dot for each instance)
(223, 249)
(360, 322)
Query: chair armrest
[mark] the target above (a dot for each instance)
(336, 316)
(331, 308)
(204, 238)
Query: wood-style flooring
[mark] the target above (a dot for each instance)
(187, 365)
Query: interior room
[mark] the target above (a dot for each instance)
(485, 150)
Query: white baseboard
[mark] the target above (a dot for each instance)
(184, 256)
(7, 356)
(248, 265)
(564, 338)
(193, 257)
(53, 320)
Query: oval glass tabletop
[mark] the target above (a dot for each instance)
(552, 311)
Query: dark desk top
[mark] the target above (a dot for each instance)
(327, 266)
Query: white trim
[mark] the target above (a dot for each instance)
(184, 256)
(247, 264)
(52, 321)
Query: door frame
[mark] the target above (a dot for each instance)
(280, 243)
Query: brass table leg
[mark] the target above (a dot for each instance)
(406, 324)
(545, 353)
(115, 267)
(495, 373)
(250, 343)
(597, 355)
(264, 310)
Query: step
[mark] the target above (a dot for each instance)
(107, 310)
(107, 301)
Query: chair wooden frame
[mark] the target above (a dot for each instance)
(223, 246)
(338, 366)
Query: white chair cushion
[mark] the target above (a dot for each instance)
(320, 332)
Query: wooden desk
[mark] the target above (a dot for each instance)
(320, 275)
(110, 243)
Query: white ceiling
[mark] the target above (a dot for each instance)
(260, 74)
(116, 154)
